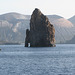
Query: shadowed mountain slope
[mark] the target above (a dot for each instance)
(72, 19)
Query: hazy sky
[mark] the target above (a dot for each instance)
(64, 8)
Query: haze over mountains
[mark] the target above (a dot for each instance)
(14, 25)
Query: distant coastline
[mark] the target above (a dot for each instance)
(10, 43)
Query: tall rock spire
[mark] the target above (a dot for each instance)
(42, 32)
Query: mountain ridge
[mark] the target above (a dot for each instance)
(17, 25)
(72, 19)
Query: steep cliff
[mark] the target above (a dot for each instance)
(42, 32)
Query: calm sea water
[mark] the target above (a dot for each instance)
(18, 60)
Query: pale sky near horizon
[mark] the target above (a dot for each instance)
(64, 8)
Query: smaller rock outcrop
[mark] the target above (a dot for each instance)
(41, 33)
(27, 38)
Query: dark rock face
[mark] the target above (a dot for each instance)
(27, 37)
(42, 33)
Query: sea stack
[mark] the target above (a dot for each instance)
(41, 33)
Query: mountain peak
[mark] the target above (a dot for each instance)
(72, 19)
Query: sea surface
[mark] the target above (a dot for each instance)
(19, 60)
